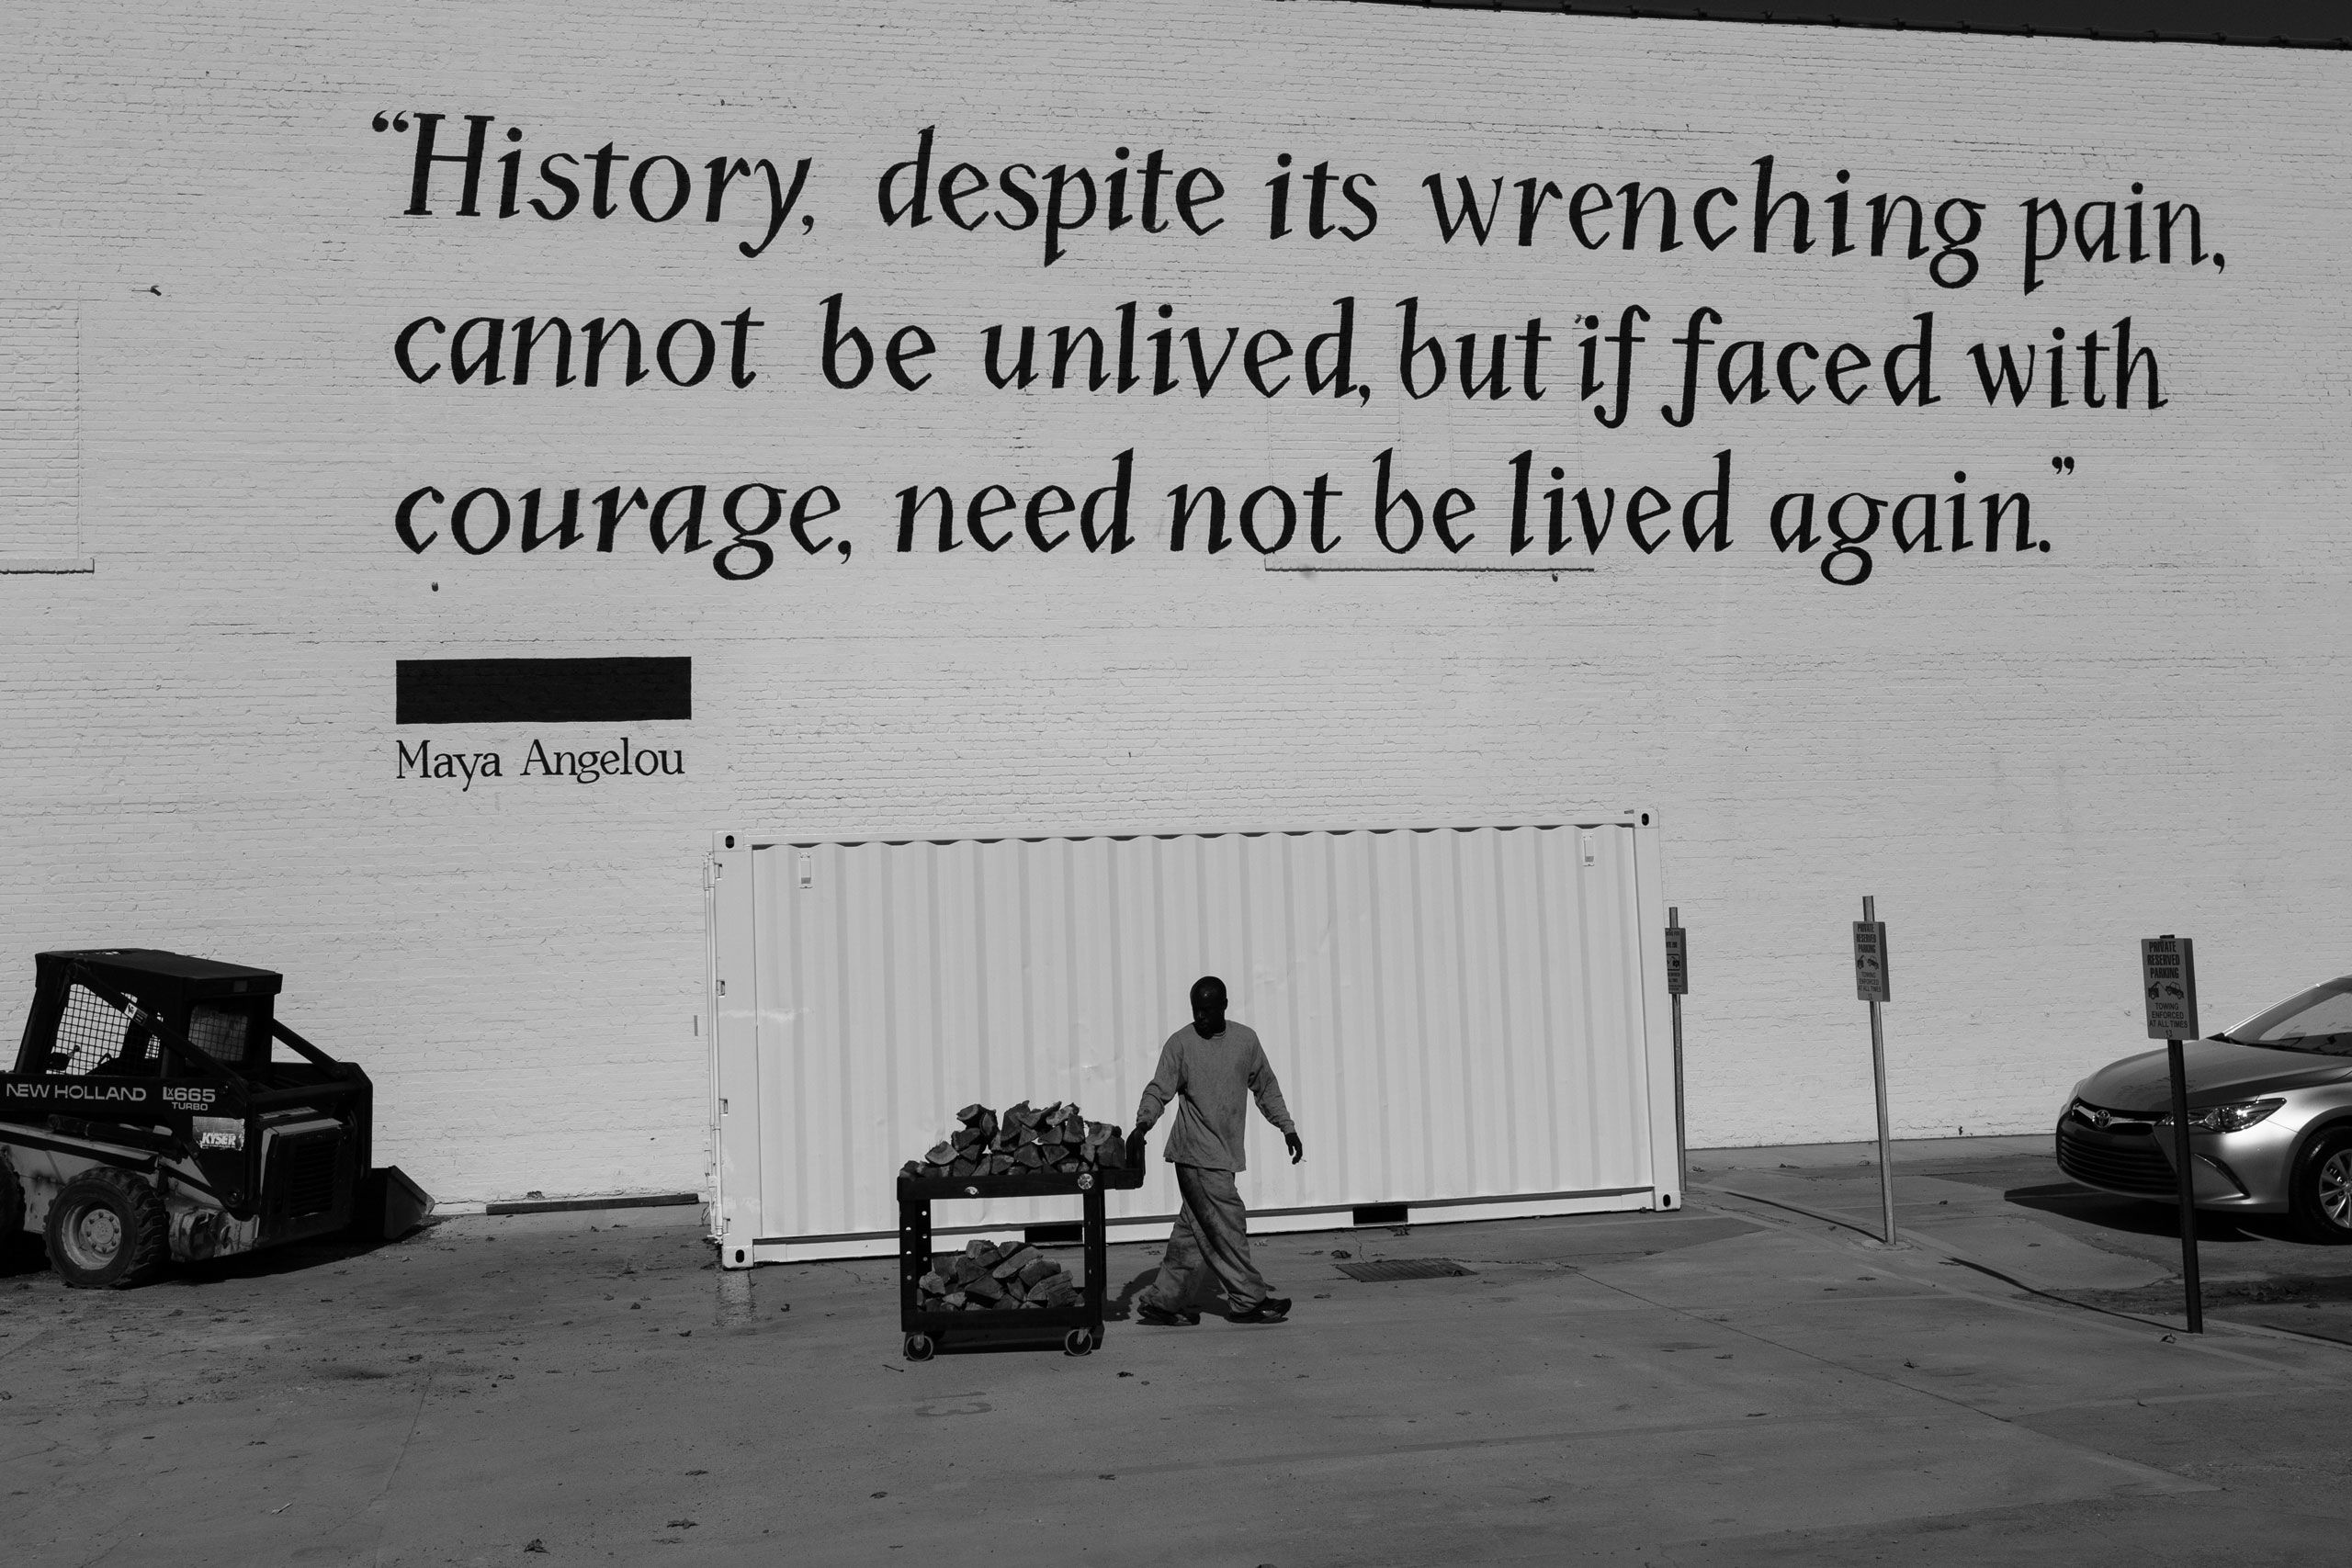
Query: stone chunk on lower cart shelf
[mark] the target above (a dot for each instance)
(987, 1277)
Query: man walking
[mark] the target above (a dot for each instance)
(1216, 1066)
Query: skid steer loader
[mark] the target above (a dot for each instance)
(150, 1121)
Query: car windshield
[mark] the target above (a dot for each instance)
(2319, 1019)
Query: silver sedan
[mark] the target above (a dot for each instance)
(2269, 1118)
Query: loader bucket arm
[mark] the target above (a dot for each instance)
(309, 1051)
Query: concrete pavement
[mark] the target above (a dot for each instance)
(1738, 1382)
(2002, 1204)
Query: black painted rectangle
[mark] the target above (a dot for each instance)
(543, 691)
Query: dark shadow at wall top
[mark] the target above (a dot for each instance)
(2294, 24)
(543, 691)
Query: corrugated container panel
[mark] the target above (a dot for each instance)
(1455, 1014)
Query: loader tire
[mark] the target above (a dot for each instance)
(107, 1231)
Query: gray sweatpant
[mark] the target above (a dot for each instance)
(1213, 1231)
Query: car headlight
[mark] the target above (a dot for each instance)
(2234, 1118)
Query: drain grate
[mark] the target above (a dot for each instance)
(1404, 1269)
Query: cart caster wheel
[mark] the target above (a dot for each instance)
(920, 1347)
(1078, 1342)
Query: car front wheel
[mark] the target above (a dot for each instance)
(2322, 1200)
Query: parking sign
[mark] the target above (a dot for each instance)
(1869, 962)
(1678, 963)
(2168, 977)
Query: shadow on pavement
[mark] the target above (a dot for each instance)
(291, 1258)
(26, 1253)
(2266, 1301)
(2147, 1217)
(2082, 1203)
(1118, 1308)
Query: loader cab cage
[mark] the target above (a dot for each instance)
(141, 1013)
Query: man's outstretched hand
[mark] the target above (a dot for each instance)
(1297, 1149)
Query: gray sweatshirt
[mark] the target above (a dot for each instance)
(1216, 1079)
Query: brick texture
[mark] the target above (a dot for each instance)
(2031, 760)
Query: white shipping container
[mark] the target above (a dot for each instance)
(1467, 1021)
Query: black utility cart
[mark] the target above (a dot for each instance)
(924, 1330)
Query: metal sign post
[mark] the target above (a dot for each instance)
(1678, 985)
(1871, 986)
(2168, 977)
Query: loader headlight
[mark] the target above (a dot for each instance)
(2232, 1118)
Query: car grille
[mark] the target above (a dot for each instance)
(306, 1175)
(2123, 1158)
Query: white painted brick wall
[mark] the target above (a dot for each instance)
(2031, 762)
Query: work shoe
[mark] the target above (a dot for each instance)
(1273, 1309)
(1147, 1313)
